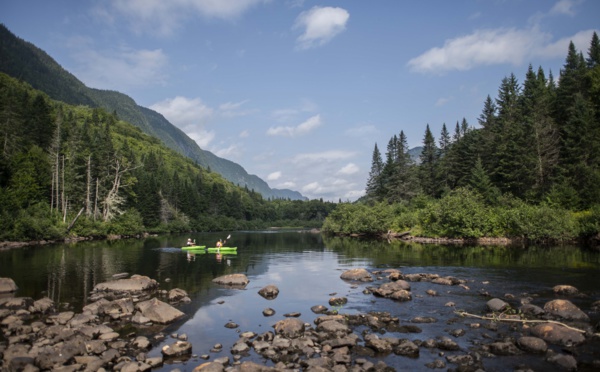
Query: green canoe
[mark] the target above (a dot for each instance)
(193, 247)
(203, 251)
(222, 249)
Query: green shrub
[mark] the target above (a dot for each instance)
(460, 214)
(588, 222)
(128, 223)
(36, 223)
(539, 223)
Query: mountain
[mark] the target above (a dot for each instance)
(28, 63)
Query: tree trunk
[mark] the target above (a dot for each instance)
(75, 219)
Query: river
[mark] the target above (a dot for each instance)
(306, 267)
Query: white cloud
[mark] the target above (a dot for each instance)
(189, 115)
(495, 46)
(560, 47)
(302, 129)
(227, 152)
(274, 176)
(354, 194)
(234, 109)
(348, 169)
(244, 134)
(286, 185)
(319, 157)
(483, 47)
(202, 137)
(320, 25)
(120, 69)
(165, 17)
(564, 7)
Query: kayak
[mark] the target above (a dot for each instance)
(204, 251)
(192, 247)
(222, 249)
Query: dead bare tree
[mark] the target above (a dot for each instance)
(113, 200)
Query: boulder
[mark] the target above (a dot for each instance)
(134, 284)
(564, 289)
(557, 334)
(289, 327)
(233, 280)
(270, 292)
(504, 348)
(496, 304)
(42, 305)
(176, 294)
(158, 311)
(177, 349)
(361, 275)
(333, 328)
(7, 285)
(532, 344)
(565, 309)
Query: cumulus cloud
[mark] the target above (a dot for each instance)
(274, 176)
(483, 47)
(165, 17)
(302, 129)
(188, 114)
(349, 168)
(325, 156)
(319, 25)
(494, 46)
(227, 152)
(121, 69)
(564, 7)
(286, 185)
(234, 109)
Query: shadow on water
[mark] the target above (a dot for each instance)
(306, 267)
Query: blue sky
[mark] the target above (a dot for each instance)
(299, 92)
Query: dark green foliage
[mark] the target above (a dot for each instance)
(123, 181)
(535, 157)
(460, 214)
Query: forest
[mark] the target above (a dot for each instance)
(530, 170)
(74, 171)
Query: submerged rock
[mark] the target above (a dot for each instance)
(233, 280)
(357, 274)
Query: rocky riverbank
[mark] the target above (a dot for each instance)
(125, 318)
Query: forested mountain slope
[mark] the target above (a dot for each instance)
(30, 64)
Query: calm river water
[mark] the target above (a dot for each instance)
(306, 267)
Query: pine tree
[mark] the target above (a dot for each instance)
(403, 186)
(374, 187)
(593, 59)
(428, 167)
(512, 158)
(446, 178)
(540, 132)
(480, 181)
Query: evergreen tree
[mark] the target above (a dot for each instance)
(540, 132)
(446, 178)
(403, 186)
(374, 187)
(593, 59)
(428, 167)
(512, 157)
(480, 181)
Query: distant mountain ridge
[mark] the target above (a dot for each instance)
(28, 63)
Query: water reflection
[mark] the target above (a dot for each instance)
(305, 266)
